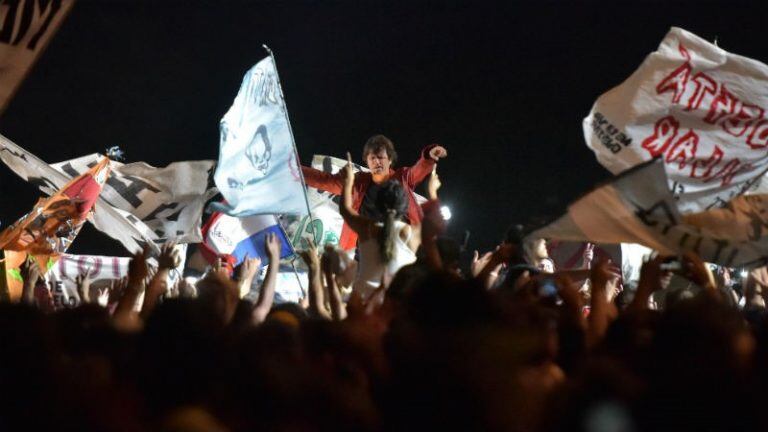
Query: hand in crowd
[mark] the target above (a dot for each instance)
(273, 247)
(246, 272)
(433, 184)
(83, 284)
(169, 258)
(30, 274)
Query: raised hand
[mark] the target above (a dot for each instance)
(349, 171)
(169, 257)
(247, 269)
(30, 271)
(273, 247)
(438, 152)
(102, 297)
(310, 257)
(331, 262)
(138, 270)
(83, 283)
(479, 262)
(433, 184)
(696, 271)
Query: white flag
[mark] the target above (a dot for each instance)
(696, 106)
(257, 170)
(118, 224)
(168, 200)
(637, 207)
(26, 27)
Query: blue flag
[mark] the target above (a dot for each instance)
(258, 172)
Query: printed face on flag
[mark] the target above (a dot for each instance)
(257, 170)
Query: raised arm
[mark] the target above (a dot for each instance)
(168, 260)
(267, 293)
(424, 166)
(322, 180)
(316, 299)
(30, 273)
(359, 224)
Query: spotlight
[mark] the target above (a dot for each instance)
(446, 212)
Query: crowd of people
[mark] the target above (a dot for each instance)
(392, 336)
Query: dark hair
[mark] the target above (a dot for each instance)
(377, 143)
(392, 203)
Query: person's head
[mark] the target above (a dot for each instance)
(393, 204)
(535, 250)
(546, 265)
(379, 154)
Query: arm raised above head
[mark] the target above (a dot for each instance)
(425, 165)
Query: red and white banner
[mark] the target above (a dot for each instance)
(26, 27)
(696, 106)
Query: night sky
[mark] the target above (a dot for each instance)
(504, 87)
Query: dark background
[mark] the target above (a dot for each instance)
(504, 87)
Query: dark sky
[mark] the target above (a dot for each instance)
(504, 87)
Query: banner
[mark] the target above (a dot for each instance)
(26, 27)
(168, 200)
(697, 107)
(638, 207)
(54, 222)
(257, 170)
(147, 201)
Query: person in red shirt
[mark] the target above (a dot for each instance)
(380, 156)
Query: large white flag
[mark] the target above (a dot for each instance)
(26, 27)
(638, 207)
(142, 205)
(696, 106)
(168, 200)
(257, 170)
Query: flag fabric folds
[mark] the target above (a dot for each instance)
(638, 207)
(696, 106)
(168, 200)
(140, 204)
(257, 171)
(26, 28)
(238, 237)
(54, 222)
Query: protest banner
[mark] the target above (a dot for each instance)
(638, 207)
(168, 200)
(700, 109)
(26, 27)
(258, 171)
(147, 201)
(54, 222)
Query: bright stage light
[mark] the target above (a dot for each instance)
(744, 274)
(446, 212)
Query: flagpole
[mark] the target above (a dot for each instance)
(290, 130)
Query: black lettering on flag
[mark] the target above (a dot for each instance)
(32, 13)
(131, 189)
